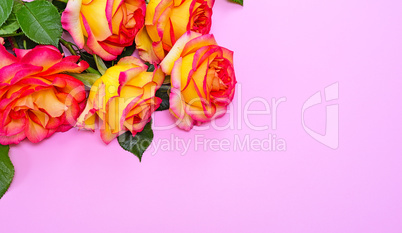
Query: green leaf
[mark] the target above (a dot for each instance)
(10, 26)
(167, 80)
(238, 1)
(139, 143)
(6, 7)
(100, 64)
(40, 21)
(88, 58)
(17, 5)
(163, 93)
(151, 68)
(25, 43)
(87, 78)
(128, 51)
(60, 5)
(6, 170)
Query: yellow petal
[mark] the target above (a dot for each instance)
(154, 10)
(144, 45)
(111, 79)
(159, 77)
(199, 77)
(180, 17)
(48, 101)
(87, 118)
(72, 22)
(153, 32)
(191, 96)
(43, 117)
(117, 19)
(128, 92)
(114, 111)
(96, 18)
(186, 67)
(175, 52)
(140, 80)
(116, 4)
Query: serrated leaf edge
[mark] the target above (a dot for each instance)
(5, 19)
(57, 41)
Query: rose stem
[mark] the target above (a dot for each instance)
(13, 42)
(68, 46)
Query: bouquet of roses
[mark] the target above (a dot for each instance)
(178, 67)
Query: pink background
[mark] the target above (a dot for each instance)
(72, 182)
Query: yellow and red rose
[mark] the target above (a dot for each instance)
(36, 98)
(203, 79)
(167, 20)
(104, 27)
(123, 99)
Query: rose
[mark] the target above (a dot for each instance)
(36, 99)
(167, 20)
(104, 27)
(123, 98)
(202, 77)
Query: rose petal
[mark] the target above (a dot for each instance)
(175, 52)
(95, 18)
(34, 132)
(6, 57)
(70, 20)
(94, 45)
(180, 17)
(42, 56)
(15, 139)
(197, 43)
(144, 45)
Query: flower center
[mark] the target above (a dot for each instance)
(220, 79)
(201, 19)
